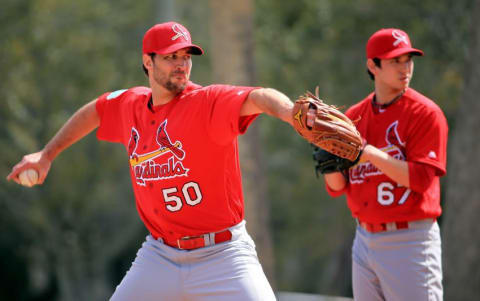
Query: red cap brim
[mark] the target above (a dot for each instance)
(399, 52)
(196, 50)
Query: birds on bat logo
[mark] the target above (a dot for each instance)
(180, 31)
(146, 167)
(395, 147)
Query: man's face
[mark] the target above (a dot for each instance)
(395, 73)
(172, 71)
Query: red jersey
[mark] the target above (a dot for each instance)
(183, 155)
(412, 129)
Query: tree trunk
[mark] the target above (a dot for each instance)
(461, 232)
(232, 48)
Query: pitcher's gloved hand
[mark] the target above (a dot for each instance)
(330, 129)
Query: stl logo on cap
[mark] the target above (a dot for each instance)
(388, 43)
(168, 37)
(399, 38)
(180, 32)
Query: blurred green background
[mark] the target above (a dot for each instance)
(74, 237)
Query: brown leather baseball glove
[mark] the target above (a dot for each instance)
(331, 129)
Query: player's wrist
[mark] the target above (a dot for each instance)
(47, 154)
(366, 152)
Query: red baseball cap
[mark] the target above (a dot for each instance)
(388, 43)
(167, 38)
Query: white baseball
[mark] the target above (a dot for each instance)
(28, 177)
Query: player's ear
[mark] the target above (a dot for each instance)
(371, 66)
(147, 61)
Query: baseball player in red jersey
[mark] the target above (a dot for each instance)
(394, 191)
(181, 141)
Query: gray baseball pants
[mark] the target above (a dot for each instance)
(222, 272)
(398, 265)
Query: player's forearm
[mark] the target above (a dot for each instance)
(335, 180)
(395, 169)
(84, 121)
(269, 101)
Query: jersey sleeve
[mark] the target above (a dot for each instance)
(420, 176)
(428, 142)
(109, 109)
(223, 104)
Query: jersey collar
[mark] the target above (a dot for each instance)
(190, 86)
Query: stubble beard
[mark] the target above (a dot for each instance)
(165, 81)
(174, 87)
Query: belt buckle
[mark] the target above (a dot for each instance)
(393, 226)
(178, 244)
(374, 228)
